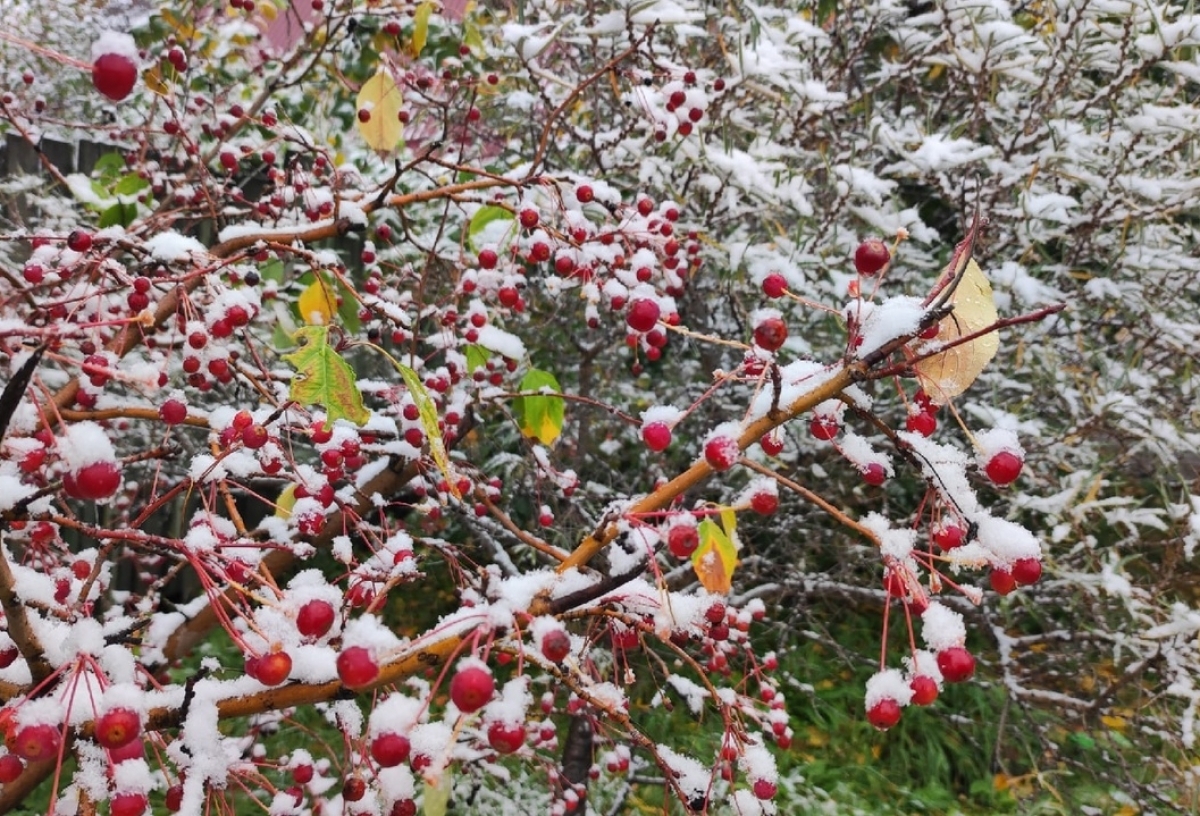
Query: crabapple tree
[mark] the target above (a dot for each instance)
(398, 347)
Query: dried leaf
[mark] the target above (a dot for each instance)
(381, 98)
(948, 374)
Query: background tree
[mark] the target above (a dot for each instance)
(397, 344)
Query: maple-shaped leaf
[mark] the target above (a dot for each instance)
(951, 372)
(323, 378)
(716, 558)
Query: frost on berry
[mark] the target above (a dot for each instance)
(472, 685)
(656, 426)
(721, 449)
(114, 65)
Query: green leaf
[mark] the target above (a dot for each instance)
(437, 794)
(272, 271)
(476, 356)
(109, 168)
(348, 311)
(118, 214)
(541, 416)
(427, 410)
(324, 378)
(481, 219)
(427, 413)
(130, 185)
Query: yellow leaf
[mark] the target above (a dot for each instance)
(285, 502)
(318, 303)
(420, 29)
(153, 77)
(716, 558)
(936, 71)
(948, 374)
(381, 98)
(1115, 723)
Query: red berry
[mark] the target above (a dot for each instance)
(925, 690)
(1002, 580)
(556, 645)
(1027, 571)
(128, 804)
(643, 315)
(956, 663)
(871, 256)
(357, 667)
(657, 436)
(79, 241)
(315, 619)
(922, 423)
(471, 688)
(584, 193)
(117, 727)
(770, 334)
(764, 503)
(771, 443)
(824, 427)
(764, 789)
(114, 75)
(528, 218)
(1004, 467)
(322, 432)
(564, 265)
(354, 789)
(134, 749)
(172, 412)
(488, 259)
(721, 452)
(683, 540)
(255, 437)
(506, 738)
(10, 768)
(271, 669)
(874, 474)
(949, 536)
(774, 285)
(174, 798)
(884, 714)
(403, 807)
(302, 774)
(390, 749)
(34, 743)
(8, 656)
(93, 482)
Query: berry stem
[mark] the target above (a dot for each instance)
(837, 514)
